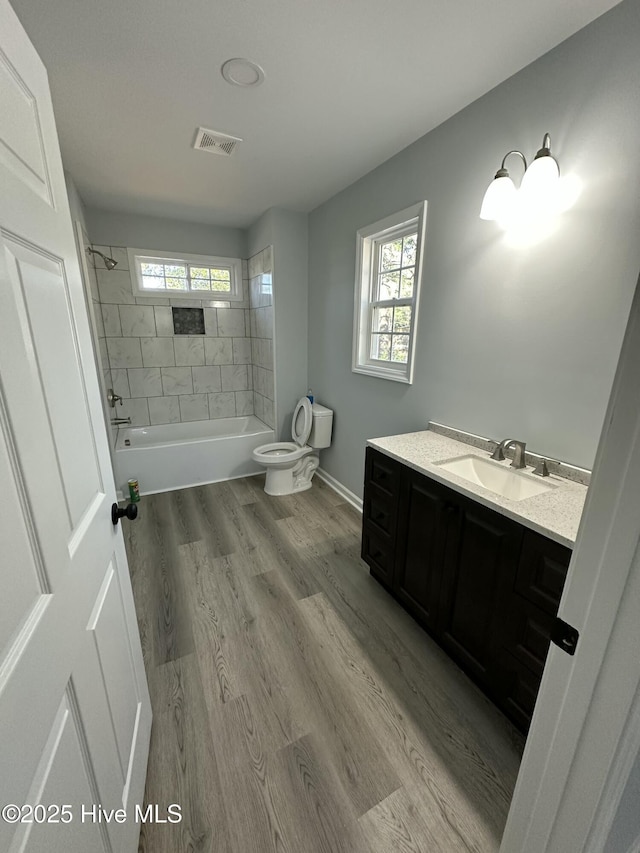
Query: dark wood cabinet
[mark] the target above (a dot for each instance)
(484, 586)
(480, 553)
(418, 569)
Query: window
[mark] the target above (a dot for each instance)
(190, 276)
(388, 275)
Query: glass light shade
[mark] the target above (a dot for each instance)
(498, 199)
(541, 176)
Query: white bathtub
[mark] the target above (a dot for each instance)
(175, 456)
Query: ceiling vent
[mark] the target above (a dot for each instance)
(216, 143)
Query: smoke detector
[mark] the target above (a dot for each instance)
(215, 142)
(242, 72)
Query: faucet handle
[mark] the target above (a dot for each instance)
(542, 469)
(113, 398)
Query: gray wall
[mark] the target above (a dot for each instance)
(287, 232)
(150, 232)
(511, 341)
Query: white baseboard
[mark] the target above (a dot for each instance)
(343, 491)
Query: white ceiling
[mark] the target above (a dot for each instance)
(348, 84)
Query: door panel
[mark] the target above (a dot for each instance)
(478, 568)
(111, 640)
(21, 143)
(418, 573)
(18, 548)
(43, 287)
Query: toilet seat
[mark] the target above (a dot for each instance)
(302, 421)
(278, 452)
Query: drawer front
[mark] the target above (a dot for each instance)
(519, 690)
(527, 632)
(382, 472)
(542, 571)
(379, 556)
(380, 512)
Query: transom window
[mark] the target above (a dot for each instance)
(196, 276)
(387, 289)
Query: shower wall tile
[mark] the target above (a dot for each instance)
(211, 322)
(157, 352)
(164, 410)
(177, 380)
(136, 409)
(145, 382)
(164, 321)
(166, 378)
(189, 350)
(124, 352)
(258, 405)
(269, 412)
(218, 351)
(242, 350)
(194, 407)
(206, 380)
(111, 320)
(137, 321)
(261, 333)
(119, 255)
(120, 383)
(231, 323)
(244, 402)
(104, 353)
(114, 287)
(235, 377)
(222, 405)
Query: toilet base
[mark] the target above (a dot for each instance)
(289, 481)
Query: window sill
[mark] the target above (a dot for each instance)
(383, 373)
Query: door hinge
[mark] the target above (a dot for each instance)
(564, 636)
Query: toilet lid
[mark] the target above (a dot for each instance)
(301, 422)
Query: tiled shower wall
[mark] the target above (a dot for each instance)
(262, 334)
(167, 378)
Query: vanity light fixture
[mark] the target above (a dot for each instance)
(536, 190)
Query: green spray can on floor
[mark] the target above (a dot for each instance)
(134, 491)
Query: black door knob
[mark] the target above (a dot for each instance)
(130, 511)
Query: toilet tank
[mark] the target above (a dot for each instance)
(321, 427)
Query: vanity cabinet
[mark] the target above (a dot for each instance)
(485, 587)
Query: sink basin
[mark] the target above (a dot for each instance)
(496, 477)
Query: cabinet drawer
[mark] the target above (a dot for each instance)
(518, 690)
(542, 571)
(378, 553)
(527, 633)
(382, 472)
(379, 511)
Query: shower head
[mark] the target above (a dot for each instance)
(108, 262)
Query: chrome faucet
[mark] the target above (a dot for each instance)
(518, 452)
(120, 421)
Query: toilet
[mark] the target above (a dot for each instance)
(291, 465)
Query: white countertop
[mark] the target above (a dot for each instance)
(555, 514)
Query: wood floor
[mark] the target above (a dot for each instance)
(297, 708)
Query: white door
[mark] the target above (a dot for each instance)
(75, 715)
(585, 732)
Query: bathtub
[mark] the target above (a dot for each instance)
(175, 456)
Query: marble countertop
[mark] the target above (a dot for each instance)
(555, 514)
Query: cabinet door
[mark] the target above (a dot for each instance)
(424, 511)
(481, 551)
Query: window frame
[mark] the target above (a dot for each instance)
(139, 256)
(368, 240)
